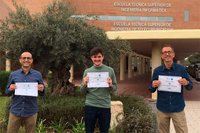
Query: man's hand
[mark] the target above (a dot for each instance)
(12, 87)
(156, 83)
(86, 80)
(109, 81)
(183, 81)
(40, 87)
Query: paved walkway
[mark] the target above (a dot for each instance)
(192, 109)
(138, 85)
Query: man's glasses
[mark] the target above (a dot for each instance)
(24, 58)
(167, 52)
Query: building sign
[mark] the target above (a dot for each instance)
(129, 26)
(143, 7)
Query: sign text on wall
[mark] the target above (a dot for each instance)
(129, 26)
(142, 7)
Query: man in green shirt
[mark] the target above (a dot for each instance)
(98, 99)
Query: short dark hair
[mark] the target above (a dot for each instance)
(96, 50)
(167, 45)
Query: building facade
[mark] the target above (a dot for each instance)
(129, 15)
(146, 24)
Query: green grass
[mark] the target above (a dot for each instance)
(3, 100)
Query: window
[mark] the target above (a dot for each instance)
(129, 18)
(186, 15)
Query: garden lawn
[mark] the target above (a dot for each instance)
(3, 100)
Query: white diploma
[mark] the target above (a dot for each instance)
(97, 79)
(169, 84)
(27, 89)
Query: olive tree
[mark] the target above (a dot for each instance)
(194, 57)
(57, 39)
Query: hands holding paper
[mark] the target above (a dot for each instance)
(183, 81)
(157, 83)
(40, 87)
(13, 87)
(86, 80)
(109, 81)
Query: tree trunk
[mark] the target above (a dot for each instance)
(60, 84)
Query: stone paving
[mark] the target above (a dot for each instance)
(192, 111)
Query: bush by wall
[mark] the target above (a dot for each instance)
(138, 115)
(52, 108)
(4, 76)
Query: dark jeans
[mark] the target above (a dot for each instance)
(92, 114)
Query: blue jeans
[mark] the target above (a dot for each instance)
(92, 114)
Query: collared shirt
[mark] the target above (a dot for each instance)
(170, 101)
(24, 106)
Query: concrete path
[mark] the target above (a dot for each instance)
(192, 109)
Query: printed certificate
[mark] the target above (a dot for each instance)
(169, 83)
(27, 89)
(97, 79)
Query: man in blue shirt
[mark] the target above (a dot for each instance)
(170, 105)
(24, 108)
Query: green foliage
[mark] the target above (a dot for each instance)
(49, 77)
(4, 76)
(58, 127)
(3, 101)
(138, 115)
(41, 128)
(21, 131)
(115, 131)
(2, 130)
(79, 127)
(56, 39)
(7, 109)
(3, 126)
(52, 108)
(194, 58)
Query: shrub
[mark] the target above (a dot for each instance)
(138, 115)
(4, 76)
(52, 108)
(49, 77)
(7, 109)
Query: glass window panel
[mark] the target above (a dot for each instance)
(132, 18)
(165, 18)
(186, 15)
(116, 17)
(144, 18)
(152, 18)
(169, 18)
(103, 17)
(161, 18)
